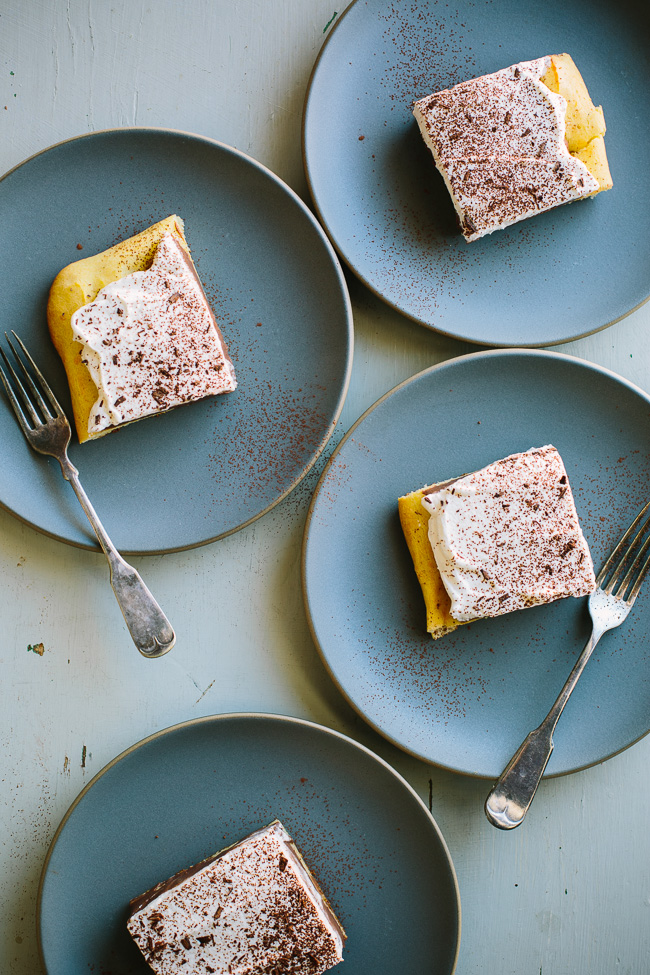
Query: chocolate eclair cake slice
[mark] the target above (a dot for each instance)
(515, 143)
(503, 538)
(135, 331)
(255, 907)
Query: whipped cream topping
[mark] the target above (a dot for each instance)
(151, 342)
(253, 908)
(508, 536)
(499, 142)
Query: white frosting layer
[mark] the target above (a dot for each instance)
(150, 342)
(254, 907)
(508, 536)
(499, 142)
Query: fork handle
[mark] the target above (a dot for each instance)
(510, 798)
(150, 629)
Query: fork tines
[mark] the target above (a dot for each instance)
(632, 557)
(25, 395)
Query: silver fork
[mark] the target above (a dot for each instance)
(47, 430)
(510, 799)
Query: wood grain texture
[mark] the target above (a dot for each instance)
(567, 893)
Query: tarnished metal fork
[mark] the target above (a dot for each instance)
(47, 430)
(618, 584)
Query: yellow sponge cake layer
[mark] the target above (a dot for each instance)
(415, 522)
(585, 123)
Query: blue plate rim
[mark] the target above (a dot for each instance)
(345, 295)
(253, 716)
(349, 263)
(481, 354)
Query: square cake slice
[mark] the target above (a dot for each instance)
(515, 143)
(253, 908)
(135, 331)
(503, 538)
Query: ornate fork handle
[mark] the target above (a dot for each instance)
(150, 629)
(509, 800)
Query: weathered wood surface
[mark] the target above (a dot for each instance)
(566, 894)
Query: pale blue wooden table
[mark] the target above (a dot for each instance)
(570, 891)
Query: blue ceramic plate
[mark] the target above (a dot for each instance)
(466, 701)
(553, 278)
(208, 468)
(193, 789)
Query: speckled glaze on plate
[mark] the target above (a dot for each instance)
(277, 289)
(466, 701)
(192, 789)
(555, 277)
